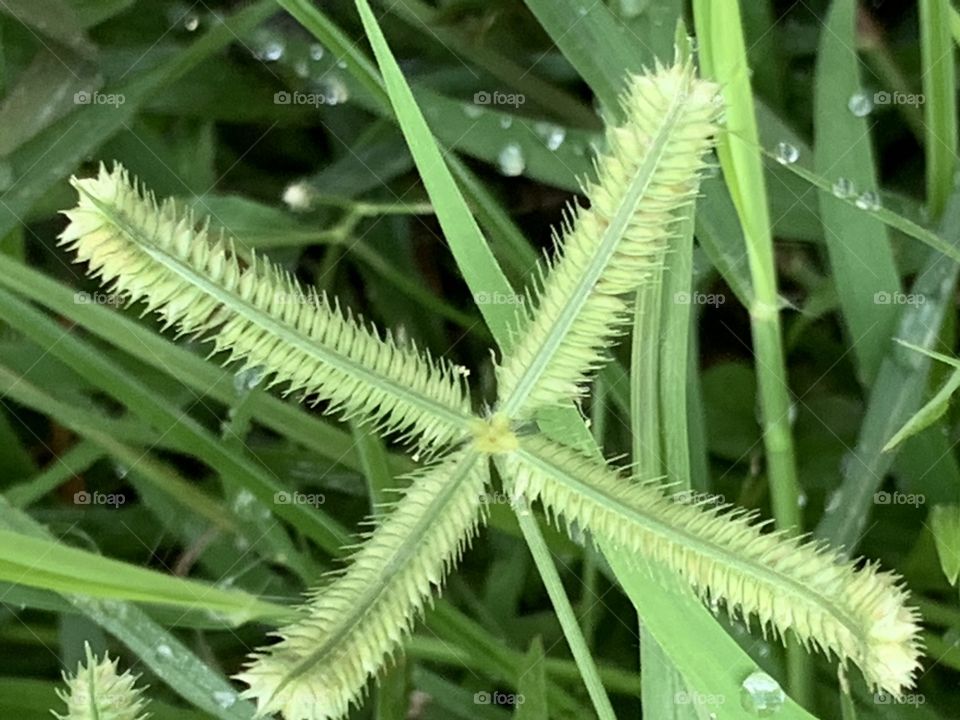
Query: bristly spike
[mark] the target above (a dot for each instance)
(99, 691)
(789, 583)
(650, 173)
(260, 313)
(324, 661)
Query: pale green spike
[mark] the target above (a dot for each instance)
(351, 627)
(260, 314)
(649, 174)
(788, 583)
(99, 691)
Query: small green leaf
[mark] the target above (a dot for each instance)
(945, 523)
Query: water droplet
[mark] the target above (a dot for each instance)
(225, 698)
(787, 154)
(268, 46)
(472, 111)
(844, 188)
(298, 196)
(342, 64)
(301, 68)
(243, 502)
(191, 22)
(316, 51)
(334, 90)
(248, 379)
(121, 470)
(510, 160)
(555, 138)
(761, 695)
(869, 201)
(802, 500)
(860, 104)
(506, 121)
(165, 651)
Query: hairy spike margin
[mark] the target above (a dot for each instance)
(860, 615)
(350, 628)
(99, 691)
(650, 172)
(260, 313)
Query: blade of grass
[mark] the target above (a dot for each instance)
(73, 462)
(939, 108)
(724, 58)
(861, 259)
(73, 571)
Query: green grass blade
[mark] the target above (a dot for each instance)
(940, 106)
(459, 227)
(72, 571)
(861, 259)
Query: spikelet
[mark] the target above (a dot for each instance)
(786, 582)
(99, 691)
(259, 313)
(650, 172)
(351, 628)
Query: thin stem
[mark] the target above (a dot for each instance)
(563, 608)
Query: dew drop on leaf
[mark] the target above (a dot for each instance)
(316, 51)
(869, 201)
(787, 154)
(191, 22)
(164, 651)
(844, 188)
(510, 160)
(506, 121)
(247, 379)
(860, 104)
(761, 695)
(555, 138)
(225, 698)
(268, 46)
(472, 111)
